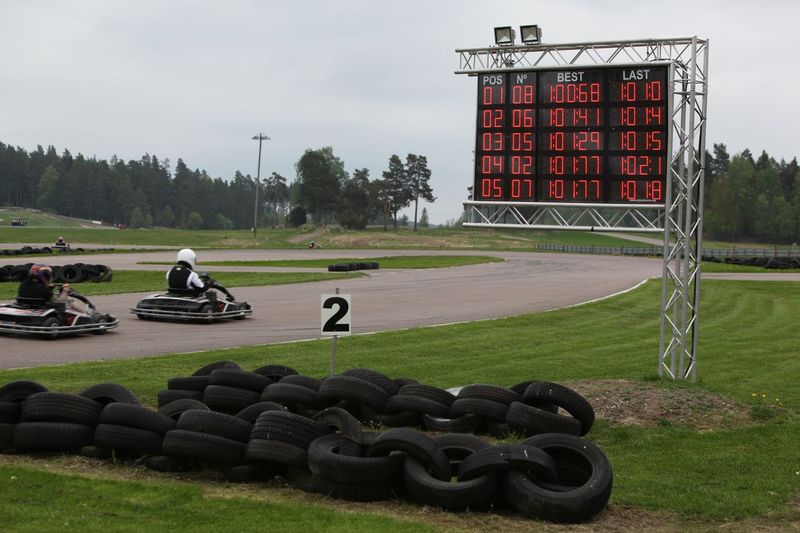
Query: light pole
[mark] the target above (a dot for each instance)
(260, 137)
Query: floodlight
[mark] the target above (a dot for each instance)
(504, 35)
(530, 34)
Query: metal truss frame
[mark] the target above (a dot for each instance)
(680, 219)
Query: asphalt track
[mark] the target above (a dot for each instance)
(382, 300)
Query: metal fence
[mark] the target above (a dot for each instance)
(657, 251)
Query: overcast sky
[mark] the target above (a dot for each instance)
(197, 79)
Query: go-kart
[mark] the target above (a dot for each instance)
(184, 304)
(33, 316)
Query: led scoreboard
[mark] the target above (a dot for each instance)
(592, 135)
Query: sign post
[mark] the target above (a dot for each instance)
(336, 319)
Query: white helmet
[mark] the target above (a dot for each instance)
(187, 256)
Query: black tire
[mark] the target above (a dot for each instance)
(104, 273)
(52, 436)
(325, 458)
(219, 397)
(427, 391)
(252, 412)
(206, 370)
(489, 392)
(455, 496)
(457, 446)
(127, 438)
(9, 412)
(534, 421)
(339, 267)
(198, 383)
(287, 427)
(374, 377)
(7, 437)
(240, 379)
(290, 395)
(277, 452)
(136, 416)
(175, 408)
(60, 407)
(49, 323)
(416, 404)
(337, 388)
(218, 424)
(304, 381)
(16, 391)
(462, 424)
(168, 396)
(404, 381)
(499, 459)
(72, 274)
(478, 406)
(203, 446)
(552, 393)
(106, 393)
(578, 505)
(275, 372)
(206, 313)
(341, 422)
(417, 445)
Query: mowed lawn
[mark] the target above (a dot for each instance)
(747, 472)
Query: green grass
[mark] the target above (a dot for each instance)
(410, 261)
(41, 501)
(127, 281)
(330, 237)
(747, 344)
(711, 266)
(37, 219)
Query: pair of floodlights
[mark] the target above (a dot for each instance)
(505, 35)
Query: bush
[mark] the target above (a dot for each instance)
(297, 216)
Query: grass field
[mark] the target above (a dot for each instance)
(709, 266)
(38, 219)
(126, 281)
(742, 471)
(333, 237)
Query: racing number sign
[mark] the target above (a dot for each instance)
(336, 315)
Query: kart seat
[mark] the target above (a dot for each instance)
(177, 291)
(37, 303)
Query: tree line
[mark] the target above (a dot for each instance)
(147, 192)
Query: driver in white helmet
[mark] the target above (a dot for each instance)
(182, 279)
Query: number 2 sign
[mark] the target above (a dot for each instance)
(336, 315)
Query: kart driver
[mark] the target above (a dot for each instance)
(38, 286)
(182, 278)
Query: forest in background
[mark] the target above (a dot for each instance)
(746, 198)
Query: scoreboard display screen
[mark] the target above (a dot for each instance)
(590, 135)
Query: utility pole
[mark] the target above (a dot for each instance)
(260, 137)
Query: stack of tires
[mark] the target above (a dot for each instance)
(348, 267)
(308, 431)
(77, 273)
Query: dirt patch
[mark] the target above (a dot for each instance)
(643, 404)
(306, 237)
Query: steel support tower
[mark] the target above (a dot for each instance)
(680, 218)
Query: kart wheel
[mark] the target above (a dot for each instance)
(208, 311)
(50, 322)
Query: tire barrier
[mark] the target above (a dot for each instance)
(77, 273)
(316, 433)
(768, 262)
(31, 250)
(347, 267)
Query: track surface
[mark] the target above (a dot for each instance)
(383, 300)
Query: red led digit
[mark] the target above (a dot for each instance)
(521, 164)
(556, 189)
(557, 165)
(627, 189)
(492, 142)
(488, 92)
(522, 118)
(653, 140)
(628, 116)
(652, 115)
(557, 117)
(492, 118)
(556, 141)
(594, 92)
(653, 191)
(652, 91)
(521, 141)
(596, 185)
(576, 188)
(644, 165)
(486, 188)
(521, 188)
(627, 91)
(497, 188)
(627, 140)
(492, 164)
(580, 117)
(522, 94)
